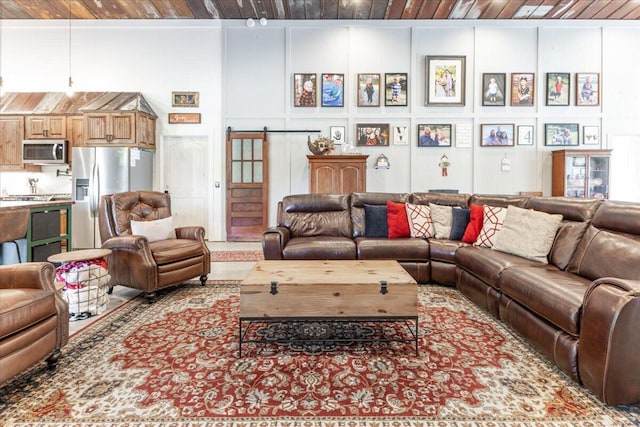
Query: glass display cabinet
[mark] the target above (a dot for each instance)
(581, 173)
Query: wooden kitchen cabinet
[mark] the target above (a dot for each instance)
(119, 129)
(340, 174)
(75, 135)
(46, 127)
(11, 136)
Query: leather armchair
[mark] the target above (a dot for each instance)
(137, 263)
(34, 319)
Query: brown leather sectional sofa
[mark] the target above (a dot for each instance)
(581, 310)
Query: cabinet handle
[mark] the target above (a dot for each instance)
(46, 132)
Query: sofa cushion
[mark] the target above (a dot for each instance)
(486, 264)
(320, 247)
(444, 249)
(23, 308)
(499, 200)
(307, 215)
(173, 250)
(459, 221)
(492, 220)
(549, 292)
(404, 249)
(375, 221)
(567, 239)
(527, 233)
(420, 221)
(397, 222)
(441, 220)
(472, 232)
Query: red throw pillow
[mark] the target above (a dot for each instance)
(475, 224)
(397, 221)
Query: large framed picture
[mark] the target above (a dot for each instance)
(368, 90)
(496, 135)
(526, 135)
(523, 89)
(304, 90)
(587, 89)
(561, 134)
(332, 90)
(590, 135)
(396, 89)
(185, 99)
(445, 80)
(558, 88)
(434, 135)
(370, 134)
(493, 89)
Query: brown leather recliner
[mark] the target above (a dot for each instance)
(140, 264)
(34, 319)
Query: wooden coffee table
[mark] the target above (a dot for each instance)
(332, 291)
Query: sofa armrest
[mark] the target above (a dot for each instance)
(609, 345)
(31, 275)
(192, 233)
(274, 239)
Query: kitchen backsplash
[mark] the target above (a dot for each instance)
(12, 183)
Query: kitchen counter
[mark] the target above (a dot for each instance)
(10, 205)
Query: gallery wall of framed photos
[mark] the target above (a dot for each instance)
(509, 84)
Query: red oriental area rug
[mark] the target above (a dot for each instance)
(175, 363)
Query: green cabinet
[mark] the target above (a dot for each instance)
(48, 231)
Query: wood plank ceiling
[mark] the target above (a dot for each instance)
(320, 9)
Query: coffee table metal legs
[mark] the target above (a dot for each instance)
(245, 325)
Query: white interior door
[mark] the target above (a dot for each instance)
(185, 176)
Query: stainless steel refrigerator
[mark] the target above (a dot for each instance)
(103, 170)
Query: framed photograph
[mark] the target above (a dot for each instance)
(332, 90)
(590, 135)
(561, 134)
(372, 134)
(496, 135)
(523, 89)
(368, 90)
(396, 89)
(185, 99)
(558, 89)
(400, 135)
(493, 89)
(526, 135)
(305, 90)
(445, 80)
(587, 88)
(337, 134)
(434, 135)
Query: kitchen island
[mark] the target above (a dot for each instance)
(48, 228)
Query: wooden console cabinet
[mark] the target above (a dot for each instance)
(339, 174)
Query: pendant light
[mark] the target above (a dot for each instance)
(70, 82)
(1, 25)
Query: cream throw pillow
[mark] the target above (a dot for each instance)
(442, 217)
(159, 229)
(526, 233)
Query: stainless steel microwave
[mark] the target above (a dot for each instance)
(44, 151)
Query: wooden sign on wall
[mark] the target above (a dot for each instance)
(184, 118)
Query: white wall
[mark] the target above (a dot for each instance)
(244, 76)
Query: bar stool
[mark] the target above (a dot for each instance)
(13, 232)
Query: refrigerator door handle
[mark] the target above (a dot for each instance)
(94, 188)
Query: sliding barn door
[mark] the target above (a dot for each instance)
(247, 185)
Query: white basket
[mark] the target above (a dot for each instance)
(86, 289)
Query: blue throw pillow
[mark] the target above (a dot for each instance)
(375, 221)
(459, 222)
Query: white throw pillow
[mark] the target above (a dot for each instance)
(420, 222)
(159, 229)
(527, 233)
(491, 223)
(442, 218)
